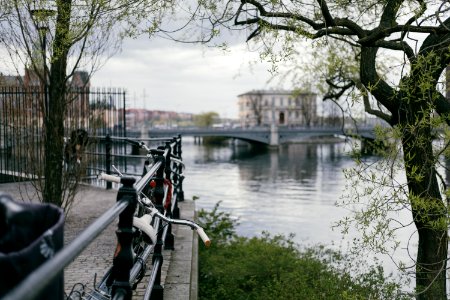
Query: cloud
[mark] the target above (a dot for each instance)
(184, 78)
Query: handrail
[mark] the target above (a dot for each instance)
(40, 278)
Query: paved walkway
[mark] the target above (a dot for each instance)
(89, 204)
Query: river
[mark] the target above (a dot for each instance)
(292, 189)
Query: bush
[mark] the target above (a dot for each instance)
(272, 267)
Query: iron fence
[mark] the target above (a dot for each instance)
(96, 111)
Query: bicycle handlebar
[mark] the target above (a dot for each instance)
(110, 178)
(138, 144)
(154, 212)
(201, 233)
(141, 144)
(133, 142)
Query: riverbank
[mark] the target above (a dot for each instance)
(272, 267)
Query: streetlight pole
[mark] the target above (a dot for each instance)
(41, 17)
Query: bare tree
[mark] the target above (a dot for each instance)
(54, 39)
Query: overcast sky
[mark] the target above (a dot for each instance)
(183, 78)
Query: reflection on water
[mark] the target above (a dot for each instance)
(292, 189)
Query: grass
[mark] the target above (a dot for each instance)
(272, 267)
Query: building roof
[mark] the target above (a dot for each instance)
(80, 79)
(8, 80)
(274, 92)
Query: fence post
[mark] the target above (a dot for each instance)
(170, 239)
(158, 193)
(178, 152)
(176, 179)
(124, 256)
(108, 160)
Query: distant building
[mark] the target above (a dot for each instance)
(80, 79)
(29, 97)
(78, 104)
(137, 117)
(29, 79)
(264, 107)
(10, 81)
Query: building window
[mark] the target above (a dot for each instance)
(281, 118)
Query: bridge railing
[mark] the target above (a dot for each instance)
(270, 135)
(164, 167)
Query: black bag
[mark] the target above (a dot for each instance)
(30, 234)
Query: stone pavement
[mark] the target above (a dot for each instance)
(180, 266)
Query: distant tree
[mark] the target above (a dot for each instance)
(256, 106)
(205, 119)
(306, 101)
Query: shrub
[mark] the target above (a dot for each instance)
(272, 267)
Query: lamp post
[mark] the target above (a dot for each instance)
(41, 17)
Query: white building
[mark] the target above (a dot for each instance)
(264, 107)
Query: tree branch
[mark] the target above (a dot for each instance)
(443, 108)
(281, 15)
(375, 112)
(373, 83)
(438, 43)
(400, 46)
(329, 21)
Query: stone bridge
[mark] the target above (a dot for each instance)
(272, 136)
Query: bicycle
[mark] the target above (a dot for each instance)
(74, 148)
(144, 226)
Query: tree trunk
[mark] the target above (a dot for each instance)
(55, 114)
(428, 211)
(54, 145)
(411, 108)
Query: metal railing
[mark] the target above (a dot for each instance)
(97, 111)
(163, 167)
